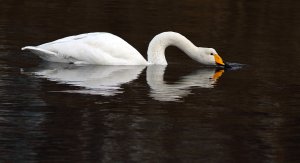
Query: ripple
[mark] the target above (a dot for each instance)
(234, 66)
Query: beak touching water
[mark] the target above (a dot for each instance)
(219, 60)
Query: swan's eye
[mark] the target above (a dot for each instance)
(211, 53)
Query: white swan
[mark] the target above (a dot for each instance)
(108, 49)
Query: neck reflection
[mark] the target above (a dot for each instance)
(160, 90)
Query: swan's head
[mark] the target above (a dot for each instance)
(209, 56)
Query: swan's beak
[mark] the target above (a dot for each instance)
(219, 60)
(218, 74)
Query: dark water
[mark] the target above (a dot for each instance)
(180, 113)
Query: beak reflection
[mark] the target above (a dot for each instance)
(217, 75)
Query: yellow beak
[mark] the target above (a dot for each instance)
(219, 60)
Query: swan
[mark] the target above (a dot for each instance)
(103, 48)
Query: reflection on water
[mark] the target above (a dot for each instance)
(101, 80)
(107, 80)
(160, 90)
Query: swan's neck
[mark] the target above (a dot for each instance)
(157, 46)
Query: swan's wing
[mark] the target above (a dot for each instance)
(115, 47)
(71, 38)
(53, 51)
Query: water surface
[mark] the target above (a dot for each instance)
(182, 112)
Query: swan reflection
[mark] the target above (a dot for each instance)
(107, 80)
(96, 80)
(160, 90)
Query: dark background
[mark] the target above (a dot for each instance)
(251, 115)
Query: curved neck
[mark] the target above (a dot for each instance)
(158, 45)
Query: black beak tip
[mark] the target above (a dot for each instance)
(227, 65)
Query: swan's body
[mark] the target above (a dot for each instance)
(91, 48)
(108, 49)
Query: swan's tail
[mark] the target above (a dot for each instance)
(38, 51)
(42, 53)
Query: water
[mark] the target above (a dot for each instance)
(182, 112)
